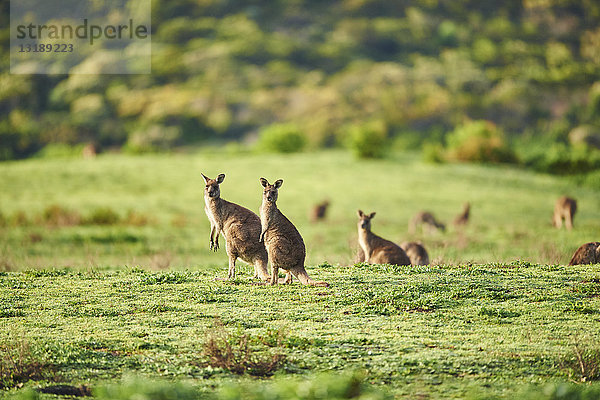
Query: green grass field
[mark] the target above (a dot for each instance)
(511, 208)
(496, 312)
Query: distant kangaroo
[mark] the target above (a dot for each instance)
(317, 213)
(463, 218)
(281, 238)
(564, 208)
(416, 252)
(240, 227)
(588, 253)
(425, 218)
(375, 249)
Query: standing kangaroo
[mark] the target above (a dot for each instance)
(564, 208)
(240, 227)
(416, 252)
(588, 253)
(377, 250)
(463, 217)
(425, 218)
(281, 238)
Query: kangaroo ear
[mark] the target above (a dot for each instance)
(220, 178)
(360, 213)
(206, 178)
(278, 183)
(264, 182)
(372, 215)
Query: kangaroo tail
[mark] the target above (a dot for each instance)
(306, 280)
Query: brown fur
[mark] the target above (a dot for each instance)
(317, 213)
(463, 217)
(425, 218)
(564, 208)
(282, 240)
(240, 227)
(375, 249)
(588, 253)
(416, 252)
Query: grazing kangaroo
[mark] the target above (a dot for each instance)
(425, 218)
(317, 213)
(240, 227)
(282, 240)
(416, 252)
(588, 253)
(564, 208)
(463, 218)
(377, 250)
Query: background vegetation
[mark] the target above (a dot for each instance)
(223, 70)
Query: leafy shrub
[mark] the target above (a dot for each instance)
(433, 153)
(368, 141)
(478, 141)
(561, 159)
(281, 138)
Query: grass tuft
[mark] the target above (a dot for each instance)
(19, 364)
(583, 362)
(232, 352)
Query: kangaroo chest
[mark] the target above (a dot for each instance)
(213, 212)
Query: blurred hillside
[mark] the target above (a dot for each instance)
(222, 70)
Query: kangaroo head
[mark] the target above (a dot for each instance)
(212, 186)
(270, 192)
(364, 220)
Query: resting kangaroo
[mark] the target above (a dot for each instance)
(425, 218)
(416, 252)
(281, 238)
(375, 249)
(240, 227)
(564, 208)
(588, 253)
